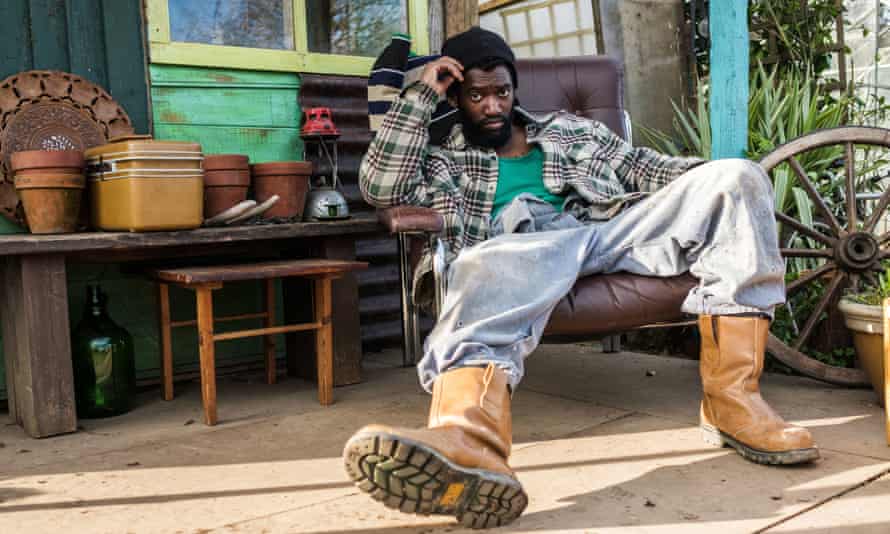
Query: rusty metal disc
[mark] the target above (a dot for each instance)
(51, 110)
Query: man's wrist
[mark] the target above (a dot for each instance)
(421, 93)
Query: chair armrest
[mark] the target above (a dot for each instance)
(411, 219)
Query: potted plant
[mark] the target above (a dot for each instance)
(862, 315)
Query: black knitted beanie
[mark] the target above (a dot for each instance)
(477, 46)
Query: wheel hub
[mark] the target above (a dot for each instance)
(858, 251)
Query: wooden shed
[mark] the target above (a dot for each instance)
(235, 76)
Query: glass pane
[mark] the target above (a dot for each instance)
(354, 27)
(248, 23)
(540, 23)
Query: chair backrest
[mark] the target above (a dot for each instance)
(587, 86)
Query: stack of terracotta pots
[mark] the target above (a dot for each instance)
(287, 179)
(226, 179)
(50, 184)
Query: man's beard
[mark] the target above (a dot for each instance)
(479, 136)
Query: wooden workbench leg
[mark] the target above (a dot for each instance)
(7, 324)
(347, 346)
(324, 341)
(205, 343)
(269, 341)
(166, 341)
(344, 296)
(37, 342)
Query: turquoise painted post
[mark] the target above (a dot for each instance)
(729, 78)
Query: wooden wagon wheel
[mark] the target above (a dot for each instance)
(845, 246)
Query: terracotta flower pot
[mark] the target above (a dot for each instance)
(226, 180)
(287, 179)
(223, 189)
(226, 162)
(47, 162)
(866, 324)
(51, 200)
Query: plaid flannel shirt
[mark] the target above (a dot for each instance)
(599, 172)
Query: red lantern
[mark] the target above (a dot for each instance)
(319, 123)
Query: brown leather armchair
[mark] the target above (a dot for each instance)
(598, 305)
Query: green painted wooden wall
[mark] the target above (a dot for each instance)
(133, 305)
(226, 111)
(102, 41)
(229, 111)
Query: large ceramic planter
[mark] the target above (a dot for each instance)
(287, 179)
(866, 324)
(226, 180)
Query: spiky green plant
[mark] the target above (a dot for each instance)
(780, 108)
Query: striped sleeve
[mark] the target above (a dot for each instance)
(387, 79)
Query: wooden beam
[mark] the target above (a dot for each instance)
(229, 318)
(256, 332)
(491, 5)
(437, 25)
(324, 340)
(347, 331)
(20, 244)
(886, 367)
(460, 15)
(37, 344)
(729, 78)
(206, 354)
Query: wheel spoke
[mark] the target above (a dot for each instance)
(814, 195)
(876, 214)
(850, 180)
(809, 277)
(876, 266)
(806, 252)
(806, 230)
(855, 282)
(871, 278)
(814, 317)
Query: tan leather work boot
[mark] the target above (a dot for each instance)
(732, 411)
(457, 466)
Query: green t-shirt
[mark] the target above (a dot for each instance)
(522, 175)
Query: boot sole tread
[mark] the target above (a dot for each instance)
(414, 478)
(718, 438)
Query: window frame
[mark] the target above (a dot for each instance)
(164, 51)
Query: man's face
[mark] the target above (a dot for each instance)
(485, 102)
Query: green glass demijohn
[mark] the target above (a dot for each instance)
(104, 370)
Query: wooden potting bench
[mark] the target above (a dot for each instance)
(34, 300)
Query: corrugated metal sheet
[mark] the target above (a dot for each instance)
(347, 97)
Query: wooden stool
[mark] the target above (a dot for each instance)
(204, 280)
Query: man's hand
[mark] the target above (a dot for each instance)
(441, 73)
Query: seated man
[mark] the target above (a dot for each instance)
(531, 205)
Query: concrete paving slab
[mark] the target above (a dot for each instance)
(604, 443)
(207, 477)
(634, 474)
(863, 510)
(648, 475)
(841, 419)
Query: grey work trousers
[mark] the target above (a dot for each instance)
(715, 222)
